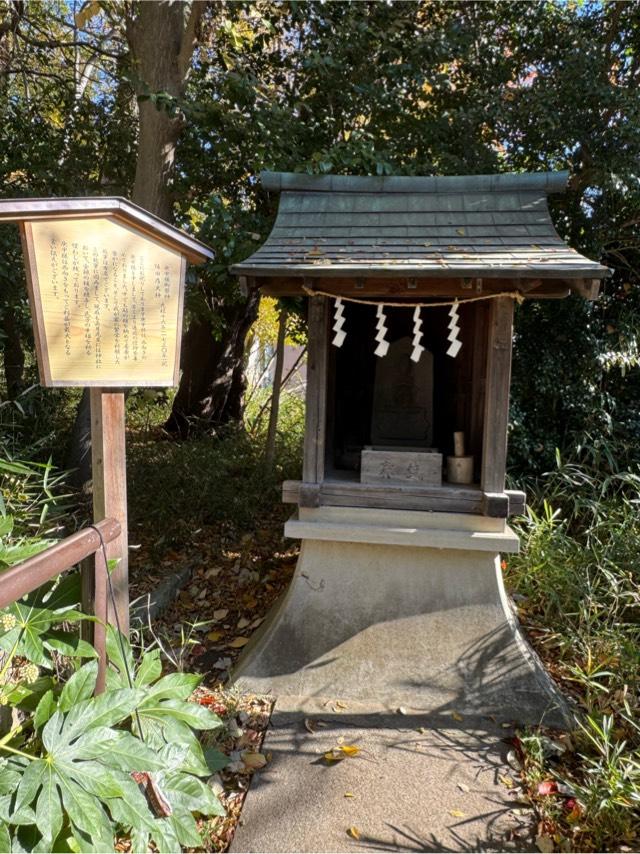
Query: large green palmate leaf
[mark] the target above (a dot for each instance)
(164, 713)
(32, 633)
(58, 595)
(185, 795)
(86, 765)
(5, 839)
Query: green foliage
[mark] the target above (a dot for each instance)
(177, 487)
(68, 766)
(31, 507)
(579, 590)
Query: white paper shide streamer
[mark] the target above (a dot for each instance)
(381, 331)
(338, 323)
(418, 349)
(455, 343)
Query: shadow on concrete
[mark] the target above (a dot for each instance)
(420, 783)
(430, 631)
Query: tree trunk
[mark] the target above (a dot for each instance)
(213, 382)
(270, 448)
(161, 38)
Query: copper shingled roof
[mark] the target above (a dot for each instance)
(494, 226)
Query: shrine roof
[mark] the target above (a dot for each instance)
(116, 207)
(494, 226)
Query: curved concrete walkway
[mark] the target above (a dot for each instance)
(418, 783)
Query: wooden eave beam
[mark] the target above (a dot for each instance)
(589, 289)
(411, 287)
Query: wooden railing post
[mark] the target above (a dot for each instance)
(108, 458)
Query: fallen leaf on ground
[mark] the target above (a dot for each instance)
(457, 813)
(463, 787)
(340, 705)
(506, 781)
(402, 710)
(350, 749)
(214, 636)
(243, 623)
(354, 833)
(513, 760)
(547, 787)
(220, 614)
(254, 760)
(544, 844)
(337, 754)
(348, 794)
(236, 643)
(310, 725)
(456, 716)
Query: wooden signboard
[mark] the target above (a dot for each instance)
(106, 286)
(106, 290)
(107, 304)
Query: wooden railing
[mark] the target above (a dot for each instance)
(34, 572)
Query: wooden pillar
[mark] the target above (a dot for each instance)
(496, 401)
(316, 400)
(108, 458)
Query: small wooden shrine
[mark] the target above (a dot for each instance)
(413, 281)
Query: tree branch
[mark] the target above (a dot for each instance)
(188, 40)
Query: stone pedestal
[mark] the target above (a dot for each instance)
(392, 608)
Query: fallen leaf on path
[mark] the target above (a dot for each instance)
(220, 614)
(350, 749)
(337, 754)
(463, 787)
(506, 781)
(354, 833)
(402, 710)
(214, 636)
(243, 623)
(544, 844)
(340, 705)
(236, 643)
(348, 794)
(310, 725)
(457, 813)
(457, 716)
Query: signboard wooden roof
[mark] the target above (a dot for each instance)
(106, 286)
(490, 226)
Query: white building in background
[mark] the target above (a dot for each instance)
(261, 366)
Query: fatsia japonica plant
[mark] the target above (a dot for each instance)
(78, 770)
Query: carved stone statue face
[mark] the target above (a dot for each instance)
(403, 398)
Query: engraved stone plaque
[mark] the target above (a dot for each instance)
(403, 398)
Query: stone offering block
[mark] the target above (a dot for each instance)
(409, 465)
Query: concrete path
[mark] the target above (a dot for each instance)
(418, 783)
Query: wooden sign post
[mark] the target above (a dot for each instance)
(106, 288)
